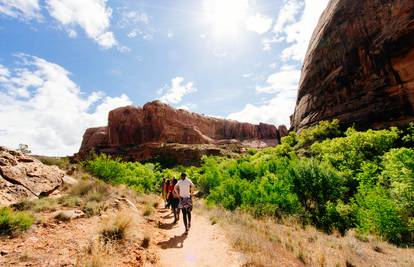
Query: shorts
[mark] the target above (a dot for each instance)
(186, 203)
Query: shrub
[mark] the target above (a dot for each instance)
(378, 214)
(398, 176)
(62, 162)
(142, 178)
(14, 221)
(116, 227)
(92, 208)
(322, 131)
(315, 183)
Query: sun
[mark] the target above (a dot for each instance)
(225, 17)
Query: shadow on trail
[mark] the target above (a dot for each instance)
(167, 226)
(174, 242)
(163, 210)
(168, 216)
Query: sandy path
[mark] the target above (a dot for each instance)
(205, 244)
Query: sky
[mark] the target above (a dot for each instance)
(64, 64)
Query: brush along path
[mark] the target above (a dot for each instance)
(205, 244)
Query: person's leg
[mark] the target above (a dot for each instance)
(189, 218)
(185, 218)
(175, 213)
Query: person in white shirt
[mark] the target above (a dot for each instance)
(184, 189)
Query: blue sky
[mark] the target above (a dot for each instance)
(65, 63)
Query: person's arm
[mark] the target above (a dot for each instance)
(177, 190)
(192, 188)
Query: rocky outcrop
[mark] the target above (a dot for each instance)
(157, 129)
(24, 177)
(359, 67)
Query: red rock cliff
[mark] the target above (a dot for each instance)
(359, 67)
(146, 130)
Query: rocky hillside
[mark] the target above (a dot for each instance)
(359, 67)
(24, 177)
(158, 130)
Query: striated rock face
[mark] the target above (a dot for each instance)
(144, 133)
(24, 177)
(359, 67)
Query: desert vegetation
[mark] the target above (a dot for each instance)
(333, 179)
(13, 222)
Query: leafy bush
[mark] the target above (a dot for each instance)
(315, 183)
(142, 178)
(377, 213)
(333, 179)
(14, 221)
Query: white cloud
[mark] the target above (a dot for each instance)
(258, 23)
(283, 86)
(295, 24)
(284, 80)
(137, 23)
(133, 17)
(300, 33)
(173, 94)
(22, 9)
(93, 16)
(276, 111)
(53, 114)
(72, 33)
(287, 14)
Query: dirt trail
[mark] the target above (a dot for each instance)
(205, 244)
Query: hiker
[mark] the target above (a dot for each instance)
(162, 187)
(170, 193)
(167, 185)
(184, 189)
(174, 200)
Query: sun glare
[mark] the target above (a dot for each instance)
(225, 17)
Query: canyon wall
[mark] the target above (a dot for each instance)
(359, 66)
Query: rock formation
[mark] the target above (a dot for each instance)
(158, 130)
(24, 177)
(359, 67)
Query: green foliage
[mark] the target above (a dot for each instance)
(408, 137)
(14, 221)
(333, 179)
(315, 184)
(377, 213)
(398, 176)
(142, 178)
(348, 153)
(323, 130)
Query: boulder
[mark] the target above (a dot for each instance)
(140, 134)
(359, 67)
(66, 215)
(24, 177)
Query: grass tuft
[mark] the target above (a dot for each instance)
(12, 222)
(117, 227)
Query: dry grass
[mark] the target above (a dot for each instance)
(99, 254)
(61, 216)
(148, 210)
(117, 226)
(38, 205)
(266, 242)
